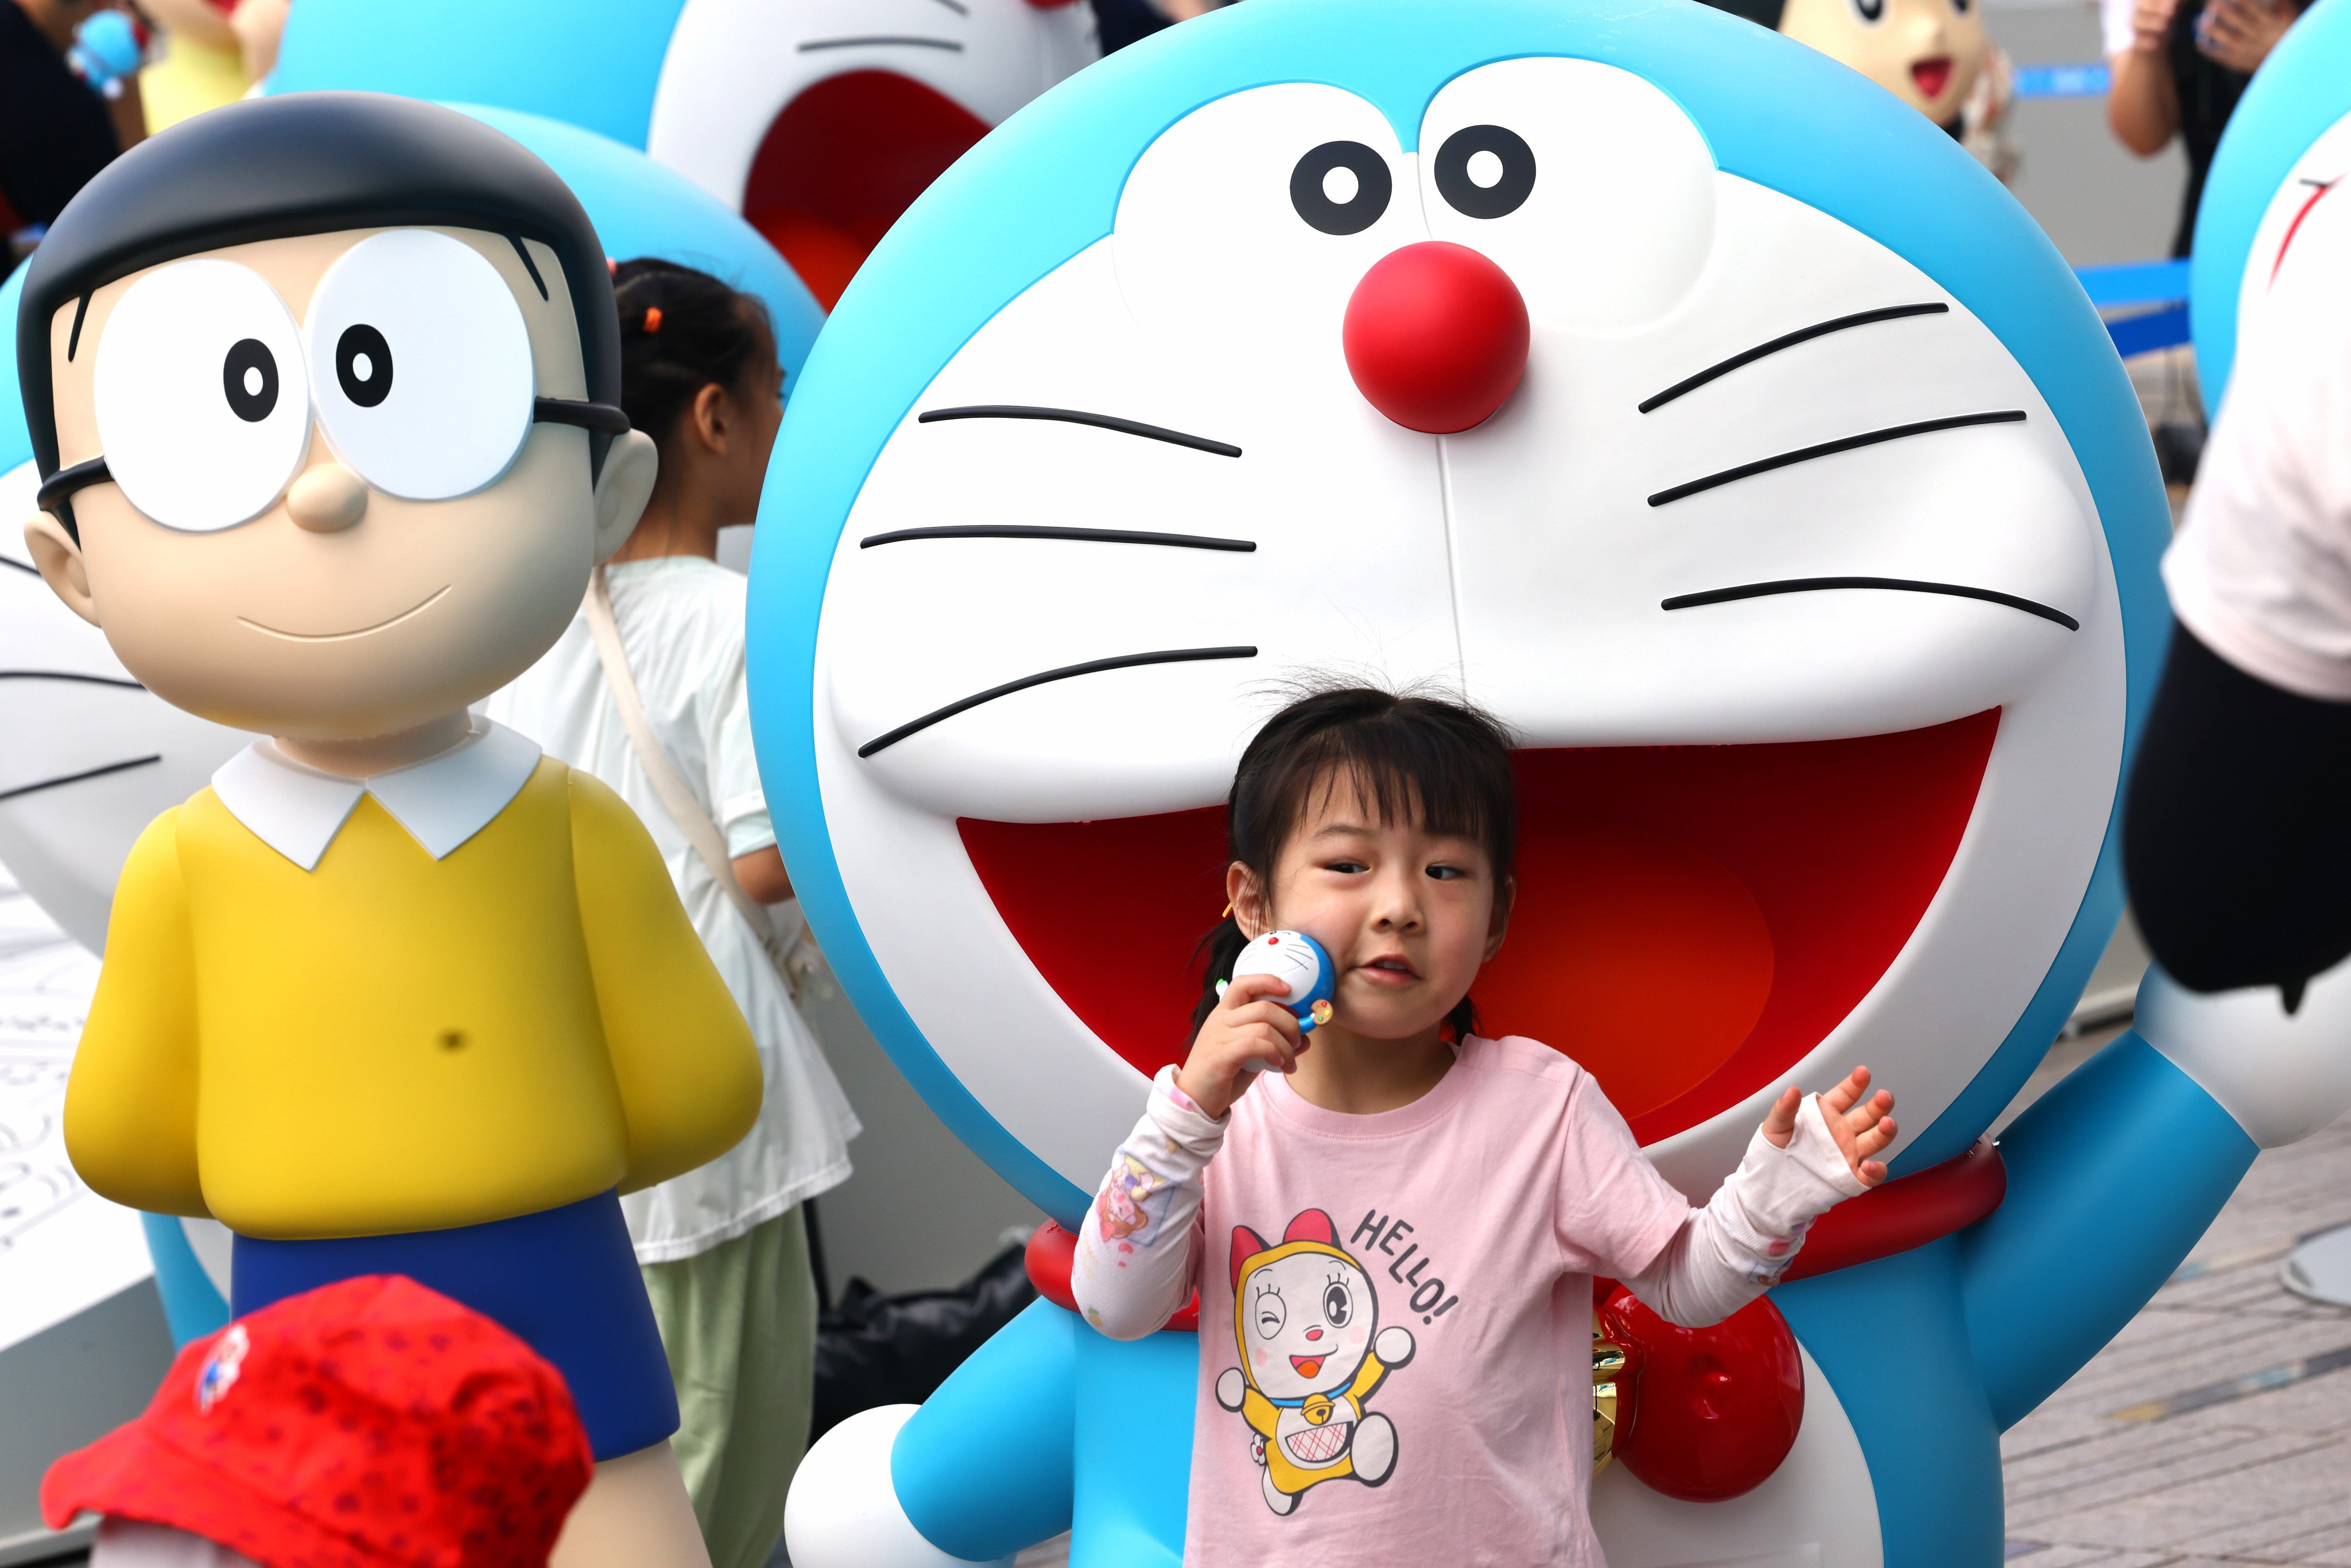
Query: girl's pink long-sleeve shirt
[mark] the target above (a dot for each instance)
(1395, 1310)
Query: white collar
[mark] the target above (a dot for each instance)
(443, 801)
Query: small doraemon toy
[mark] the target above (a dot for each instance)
(1804, 532)
(1299, 959)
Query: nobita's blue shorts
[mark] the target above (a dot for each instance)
(564, 1280)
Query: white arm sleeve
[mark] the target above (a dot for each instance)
(1736, 1247)
(1134, 1266)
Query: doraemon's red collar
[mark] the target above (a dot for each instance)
(1902, 1214)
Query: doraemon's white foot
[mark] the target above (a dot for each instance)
(1276, 1499)
(1375, 1450)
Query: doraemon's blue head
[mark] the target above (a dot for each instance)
(818, 120)
(1811, 557)
(2287, 148)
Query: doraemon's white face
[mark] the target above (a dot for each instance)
(2317, 179)
(1281, 954)
(821, 119)
(1305, 1324)
(91, 756)
(1774, 558)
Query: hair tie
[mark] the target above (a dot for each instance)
(612, 265)
(653, 319)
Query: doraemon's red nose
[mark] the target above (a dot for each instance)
(1436, 336)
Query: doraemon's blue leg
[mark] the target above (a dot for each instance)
(1047, 1423)
(979, 1471)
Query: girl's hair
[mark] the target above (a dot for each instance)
(1439, 763)
(680, 330)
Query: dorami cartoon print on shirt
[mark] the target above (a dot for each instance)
(1312, 1351)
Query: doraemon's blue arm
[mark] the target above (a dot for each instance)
(2115, 1175)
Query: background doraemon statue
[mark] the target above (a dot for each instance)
(817, 119)
(1811, 557)
(2287, 150)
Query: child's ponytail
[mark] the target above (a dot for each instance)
(1432, 760)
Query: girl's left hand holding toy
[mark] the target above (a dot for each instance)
(1856, 1119)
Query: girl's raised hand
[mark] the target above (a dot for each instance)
(1247, 1027)
(1856, 1118)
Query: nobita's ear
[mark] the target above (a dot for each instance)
(630, 465)
(1313, 1224)
(1246, 1244)
(58, 557)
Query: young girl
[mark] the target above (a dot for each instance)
(1393, 1222)
(724, 1248)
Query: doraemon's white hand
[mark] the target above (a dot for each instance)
(1860, 1126)
(1393, 1345)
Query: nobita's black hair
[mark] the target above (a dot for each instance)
(1412, 756)
(304, 163)
(680, 332)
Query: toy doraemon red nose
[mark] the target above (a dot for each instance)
(1436, 336)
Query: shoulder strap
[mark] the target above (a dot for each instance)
(677, 800)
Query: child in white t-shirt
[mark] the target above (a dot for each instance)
(724, 1248)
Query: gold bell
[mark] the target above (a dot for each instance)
(1607, 1365)
(1317, 1409)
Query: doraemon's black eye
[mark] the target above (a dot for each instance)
(249, 377)
(1486, 170)
(1342, 187)
(363, 365)
(1338, 1306)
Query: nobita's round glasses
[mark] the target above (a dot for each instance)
(414, 362)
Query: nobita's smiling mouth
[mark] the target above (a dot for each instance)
(429, 600)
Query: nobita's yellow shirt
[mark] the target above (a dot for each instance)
(458, 993)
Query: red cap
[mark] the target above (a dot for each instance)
(366, 1423)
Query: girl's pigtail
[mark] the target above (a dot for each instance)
(1221, 945)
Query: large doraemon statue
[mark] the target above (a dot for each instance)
(2287, 148)
(1810, 547)
(817, 119)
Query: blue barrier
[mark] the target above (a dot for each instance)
(2086, 80)
(2135, 287)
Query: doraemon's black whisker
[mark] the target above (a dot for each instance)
(1831, 448)
(1804, 335)
(77, 777)
(1033, 531)
(879, 42)
(957, 7)
(1894, 584)
(71, 676)
(1091, 667)
(20, 565)
(1080, 416)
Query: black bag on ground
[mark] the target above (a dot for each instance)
(873, 1348)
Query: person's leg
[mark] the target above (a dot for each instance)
(634, 1514)
(739, 1322)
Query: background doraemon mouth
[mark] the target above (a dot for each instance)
(820, 120)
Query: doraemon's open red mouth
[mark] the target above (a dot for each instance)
(842, 161)
(1306, 1366)
(1692, 920)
